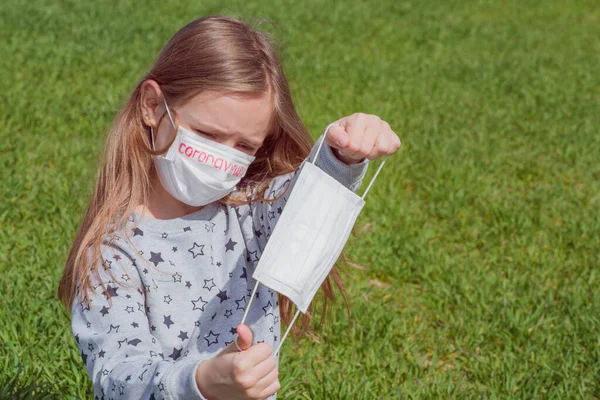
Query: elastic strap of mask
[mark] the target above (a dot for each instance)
(246, 314)
(168, 112)
(289, 328)
(314, 160)
(250, 302)
(152, 137)
(246, 310)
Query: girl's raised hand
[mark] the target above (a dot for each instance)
(361, 135)
(233, 374)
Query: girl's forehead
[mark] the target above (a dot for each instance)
(247, 114)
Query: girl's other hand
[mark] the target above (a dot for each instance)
(232, 374)
(361, 135)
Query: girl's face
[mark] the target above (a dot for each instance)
(240, 120)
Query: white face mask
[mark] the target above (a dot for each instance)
(198, 171)
(309, 236)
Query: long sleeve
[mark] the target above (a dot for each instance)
(264, 215)
(123, 359)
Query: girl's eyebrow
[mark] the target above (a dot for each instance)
(217, 130)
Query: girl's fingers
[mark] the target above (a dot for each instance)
(262, 370)
(268, 385)
(248, 359)
(379, 147)
(355, 126)
(271, 390)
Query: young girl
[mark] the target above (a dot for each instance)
(198, 168)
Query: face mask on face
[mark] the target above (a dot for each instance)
(198, 171)
(309, 236)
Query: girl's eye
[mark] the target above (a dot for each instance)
(246, 147)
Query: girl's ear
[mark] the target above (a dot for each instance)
(151, 101)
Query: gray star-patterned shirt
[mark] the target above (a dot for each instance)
(196, 272)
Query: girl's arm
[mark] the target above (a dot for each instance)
(122, 358)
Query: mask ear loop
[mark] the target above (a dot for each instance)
(168, 112)
(170, 117)
(289, 328)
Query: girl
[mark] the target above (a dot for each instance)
(198, 167)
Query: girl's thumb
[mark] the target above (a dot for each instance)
(336, 136)
(244, 338)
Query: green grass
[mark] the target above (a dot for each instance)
(481, 236)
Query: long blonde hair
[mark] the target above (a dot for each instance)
(210, 53)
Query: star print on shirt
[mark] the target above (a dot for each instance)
(107, 265)
(222, 296)
(228, 313)
(257, 233)
(267, 308)
(187, 229)
(112, 291)
(197, 253)
(104, 311)
(129, 309)
(101, 353)
(209, 226)
(244, 274)
(167, 299)
(238, 306)
(209, 284)
(135, 324)
(138, 232)
(176, 353)
(164, 235)
(155, 258)
(84, 305)
(254, 255)
(174, 249)
(168, 322)
(200, 300)
(188, 284)
(116, 328)
(210, 337)
(182, 335)
(177, 277)
(230, 245)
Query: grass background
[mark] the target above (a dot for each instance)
(481, 236)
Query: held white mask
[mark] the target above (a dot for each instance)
(309, 236)
(198, 171)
